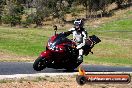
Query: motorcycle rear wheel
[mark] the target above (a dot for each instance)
(39, 64)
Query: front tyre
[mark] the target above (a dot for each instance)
(39, 64)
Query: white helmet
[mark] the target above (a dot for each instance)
(79, 22)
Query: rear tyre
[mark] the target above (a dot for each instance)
(39, 64)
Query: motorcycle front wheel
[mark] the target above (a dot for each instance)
(39, 64)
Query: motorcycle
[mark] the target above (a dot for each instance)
(61, 52)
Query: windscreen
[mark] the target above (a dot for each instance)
(61, 38)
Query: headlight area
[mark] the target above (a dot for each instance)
(55, 48)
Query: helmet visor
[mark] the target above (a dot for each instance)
(76, 23)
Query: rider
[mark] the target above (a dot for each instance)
(79, 36)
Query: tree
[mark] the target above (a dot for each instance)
(70, 2)
(12, 13)
(42, 11)
(2, 3)
(85, 3)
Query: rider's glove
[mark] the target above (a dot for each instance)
(78, 47)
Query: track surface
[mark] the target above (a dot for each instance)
(12, 68)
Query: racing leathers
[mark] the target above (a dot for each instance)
(79, 37)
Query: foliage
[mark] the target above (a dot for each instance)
(11, 11)
(2, 2)
(13, 20)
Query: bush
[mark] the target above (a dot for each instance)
(33, 19)
(29, 20)
(12, 13)
(13, 20)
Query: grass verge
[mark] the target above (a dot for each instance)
(115, 48)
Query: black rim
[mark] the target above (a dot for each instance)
(39, 64)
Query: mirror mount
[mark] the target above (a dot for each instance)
(55, 28)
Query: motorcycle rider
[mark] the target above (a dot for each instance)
(79, 36)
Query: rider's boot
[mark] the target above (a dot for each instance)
(80, 58)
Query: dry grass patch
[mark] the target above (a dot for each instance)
(59, 82)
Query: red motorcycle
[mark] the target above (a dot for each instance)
(61, 53)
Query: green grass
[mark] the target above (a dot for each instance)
(116, 45)
(115, 48)
(129, 12)
(23, 41)
(119, 25)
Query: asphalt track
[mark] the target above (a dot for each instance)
(13, 68)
